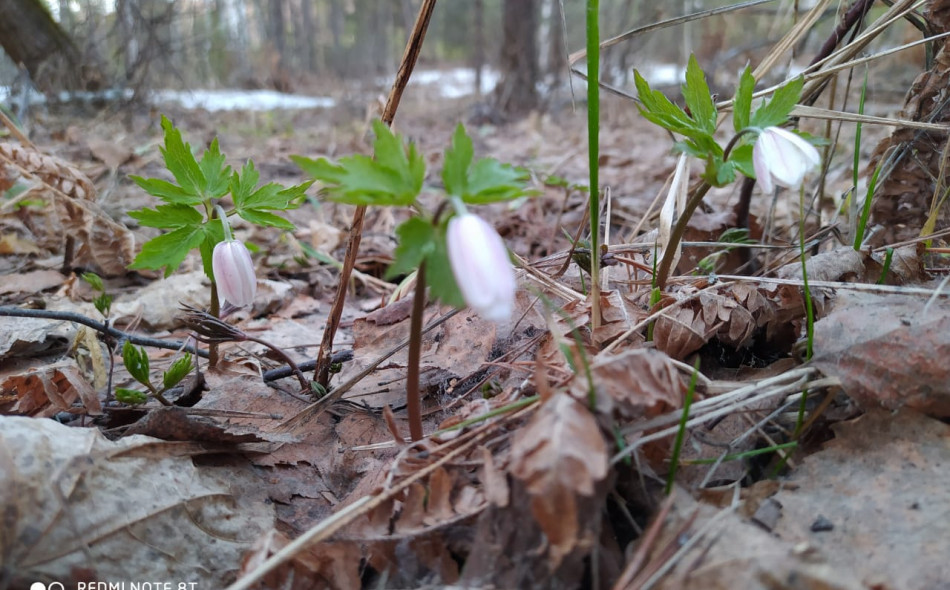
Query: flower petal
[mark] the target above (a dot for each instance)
(481, 267)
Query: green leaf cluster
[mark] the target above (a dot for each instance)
(393, 176)
(103, 301)
(187, 211)
(485, 181)
(136, 363)
(697, 123)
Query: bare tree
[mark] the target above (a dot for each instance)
(31, 38)
(517, 92)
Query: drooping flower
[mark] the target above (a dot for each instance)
(234, 273)
(481, 267)
(782, 158)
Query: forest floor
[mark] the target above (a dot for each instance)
(553, 477)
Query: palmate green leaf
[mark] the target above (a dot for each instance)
(394, 175)
(491, 181)
(217, 176)
(168, 216)
(180, 161)
(178, 371)
(775, 111)
(660, 110)
(136, 362)
(260, 217)
(417, 240)
(742, 103)
(167, 191)
(168, 250)
(698, 98)
(458, 158)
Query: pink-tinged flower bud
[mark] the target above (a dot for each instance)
(782, 158)
(481, 267)
(234, 273)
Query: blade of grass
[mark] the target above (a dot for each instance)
(681, 432)
(743, 455)
(593, 152)
(866, 212)
(888, 255)
(809, 309)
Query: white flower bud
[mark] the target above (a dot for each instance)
(782, 158)
(481, 267)
(234, 273)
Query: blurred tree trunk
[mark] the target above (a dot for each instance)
(517, 92)
(31, 37)
(557, 60)
(478, 46)
(307, 34)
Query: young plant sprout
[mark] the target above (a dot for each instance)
(759, 149)
(233, 268)
(780, 157)
(460, 260)
(481, 266)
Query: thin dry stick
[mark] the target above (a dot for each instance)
(409, 57)
(14, 130)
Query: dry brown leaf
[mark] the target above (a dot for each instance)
(323, 565)
(31, 283)
(733, 553)
(882, 486)
(636, 383)
(559, 454)
(78, 505)
(30, 337)
(50, 389)
(53, 171)
(888, 351)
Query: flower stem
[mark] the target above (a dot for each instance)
(413, 397)
(215, 310)
(676, 235)
(224, 223)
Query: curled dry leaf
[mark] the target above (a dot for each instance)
(105, 243)
(48, 390)
(323, 565)
(735, 314)
(888, 350)
(558, 455)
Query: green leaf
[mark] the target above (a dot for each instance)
(259, 217)
(741, 157)
(725, 173)
(180, 161)
(213, 234)
(242, 185)
(394, 175)
(178, 371)
(698, 98)
(417, 240)
(168, 250)
(217, 175)
(130, 396)
(458, 158)
(168, 216)
(491, 181)
(656, 107)
(94, 280)
(166, 191)
(136, 362)
(103, 303)
(742, 103)
(439, 277)
(775, 112)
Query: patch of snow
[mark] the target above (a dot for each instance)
(246, 100)
(453, 83)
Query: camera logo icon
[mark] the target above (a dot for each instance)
(50, 586)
